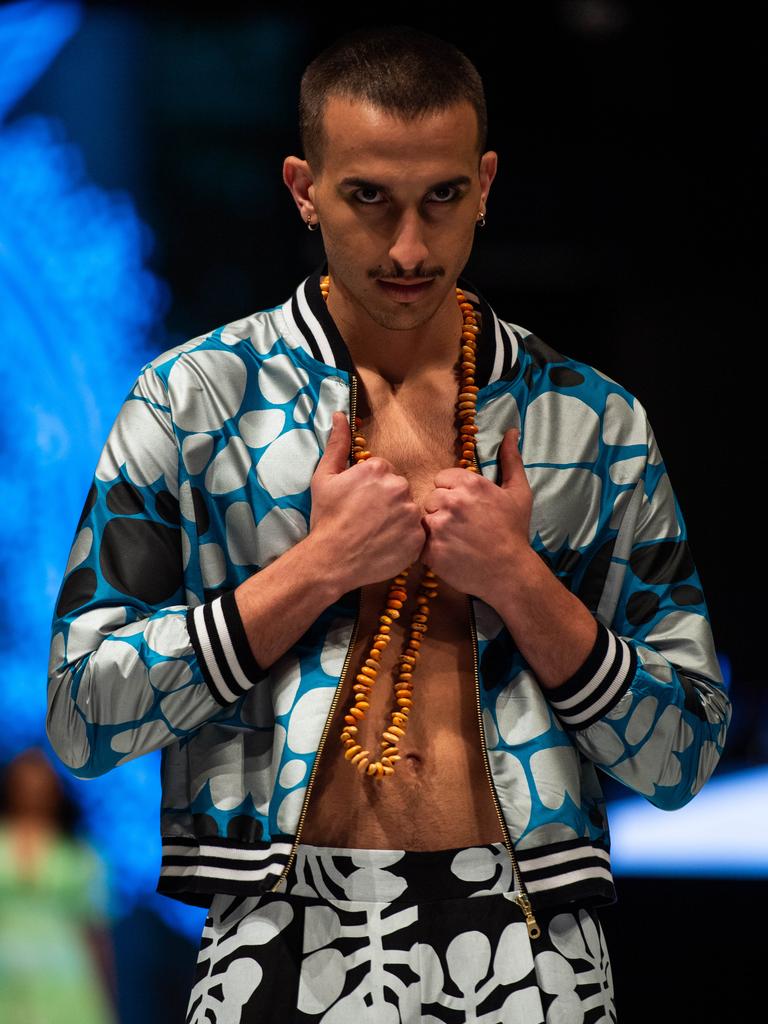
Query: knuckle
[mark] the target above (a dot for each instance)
(377, 464)
(398, 490)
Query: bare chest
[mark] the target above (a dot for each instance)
(441, 778)
(414, 429)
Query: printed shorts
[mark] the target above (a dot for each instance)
(398, 937)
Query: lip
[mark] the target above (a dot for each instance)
(406, 293)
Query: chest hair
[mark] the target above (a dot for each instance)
(413, 427)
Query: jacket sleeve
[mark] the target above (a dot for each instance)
(133, 665)
(649, 705)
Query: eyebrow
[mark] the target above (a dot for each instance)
(461, 179)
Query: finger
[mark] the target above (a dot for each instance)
(432, 502)
(452, 477)
(510, 458)
(335, 458)
(432, 521)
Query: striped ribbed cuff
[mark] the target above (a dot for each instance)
(221, 645)
(599, 684)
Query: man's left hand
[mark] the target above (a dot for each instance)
(476, 529)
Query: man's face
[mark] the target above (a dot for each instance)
(398, 202)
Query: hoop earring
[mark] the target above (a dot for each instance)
(310, 225)
(480, 222)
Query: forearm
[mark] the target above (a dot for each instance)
(653, 716)
(551, 627)
(635, 682)
(124, 687)
(278, 604)
(117, 701)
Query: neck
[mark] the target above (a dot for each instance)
(394, 353)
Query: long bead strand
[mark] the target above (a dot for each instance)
(397, 593)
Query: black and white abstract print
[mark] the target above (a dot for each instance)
(398, 937)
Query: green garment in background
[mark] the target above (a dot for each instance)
(47, 971)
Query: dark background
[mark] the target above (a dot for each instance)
(625, 224)
(625, 228)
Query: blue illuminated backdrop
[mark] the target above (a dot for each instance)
(77, 309)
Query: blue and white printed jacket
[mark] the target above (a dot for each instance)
(204, 479)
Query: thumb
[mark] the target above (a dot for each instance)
(335, 458)
(510, 459)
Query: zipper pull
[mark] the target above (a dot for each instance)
(524, 903)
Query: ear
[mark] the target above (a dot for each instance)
(299, 180)
(488, 168)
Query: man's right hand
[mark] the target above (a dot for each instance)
(364, 527)
(365, 511)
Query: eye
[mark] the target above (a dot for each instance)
(450, 193)
(446, 188)
(369, 189)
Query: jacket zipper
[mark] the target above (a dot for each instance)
(302, 816)
(521, 897)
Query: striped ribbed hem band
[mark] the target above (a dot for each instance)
(223, 859)
(599, 684)
(564, 864)
(220, 642)
(193, 869)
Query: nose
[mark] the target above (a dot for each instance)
(409, 250)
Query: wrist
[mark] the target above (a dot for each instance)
(553, 629)
(319, 551)
(516, 562)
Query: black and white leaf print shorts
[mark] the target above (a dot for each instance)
(398, 937)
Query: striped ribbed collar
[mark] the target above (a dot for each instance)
(311, 325)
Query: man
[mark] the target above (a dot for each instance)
(505, 545)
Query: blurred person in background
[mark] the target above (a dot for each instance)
(56, 963)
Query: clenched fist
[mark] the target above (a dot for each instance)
(366, 512)
(477, 529)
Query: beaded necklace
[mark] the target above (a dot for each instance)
(397, 593)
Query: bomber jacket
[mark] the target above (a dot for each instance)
(204, 479)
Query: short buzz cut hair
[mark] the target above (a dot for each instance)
(397, 68)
